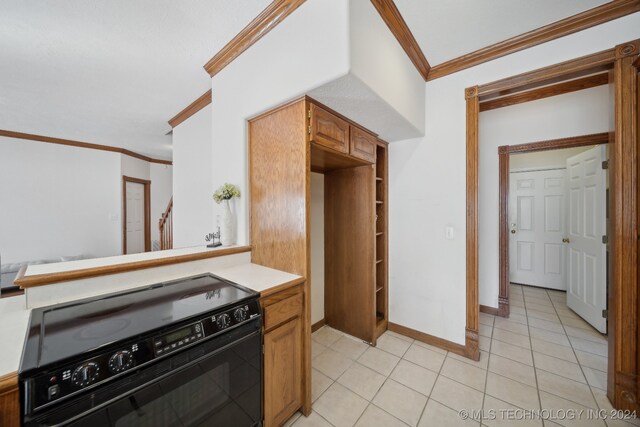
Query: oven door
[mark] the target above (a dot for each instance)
(206, 385)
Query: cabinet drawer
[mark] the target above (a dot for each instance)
(362, 145)
(328, 130)
(282, 311)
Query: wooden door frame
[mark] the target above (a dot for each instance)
(624, 335)
(147, 212)
(504, 153)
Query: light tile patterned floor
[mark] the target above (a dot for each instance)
(543, 357)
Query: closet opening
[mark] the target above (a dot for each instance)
(348, 222)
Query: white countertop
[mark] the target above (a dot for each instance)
(14, 316)
(256, 277)
(60, 267)
(14, 320)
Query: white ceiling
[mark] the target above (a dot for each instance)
(110, 72)
(113, 72)
(446, 29)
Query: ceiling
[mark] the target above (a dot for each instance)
(113, 72)
(446, 29)
(110, 72)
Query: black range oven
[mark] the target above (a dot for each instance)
(182, 353)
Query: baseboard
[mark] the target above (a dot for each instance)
(489, 310)
(429, 339)
(502, 311)
(319, 324)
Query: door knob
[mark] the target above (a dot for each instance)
(565, 240)
(513, 231)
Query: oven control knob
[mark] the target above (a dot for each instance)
(240, 314)
(223, 321)
(85, 374)
(120, 361)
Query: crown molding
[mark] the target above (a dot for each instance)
(191, 109)
(60, 141)
(587, 19)
(268, 19)
(392, 17)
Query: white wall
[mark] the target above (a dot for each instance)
(57, 200)
(192, 169)
(58, 293)
(306, 50)
(317, 247)
(573, 114)
(383, 91)
(346, 49)
(161, 192)
(427, 186)
(135, 168)
(378, 60)
(554, 159)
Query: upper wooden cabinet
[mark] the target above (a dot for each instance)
(362, 145)
(329, 130)
(337, 142)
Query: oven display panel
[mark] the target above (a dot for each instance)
(176, 336)
(177, 339)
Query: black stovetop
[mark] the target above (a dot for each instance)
(60, 332)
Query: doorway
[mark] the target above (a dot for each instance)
(622, 64)
(136, 215)
(557, 226)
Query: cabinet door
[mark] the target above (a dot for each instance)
(282, 372)
(362, 145)
(9, 401)
(328, 130)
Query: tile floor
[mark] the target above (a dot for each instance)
(543, 357)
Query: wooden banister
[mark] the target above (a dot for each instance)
(166, 227)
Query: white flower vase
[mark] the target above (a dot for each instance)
(227, 226)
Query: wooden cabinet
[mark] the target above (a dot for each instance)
(286, 144)
(328, 129)
(9, 401)
(349, 251)
(283, 310)
(362, 145)
(355, 249)
(283, 372)
(283, 357)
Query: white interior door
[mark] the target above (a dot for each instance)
(586, 220)
(135, 217)
(537, 225)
